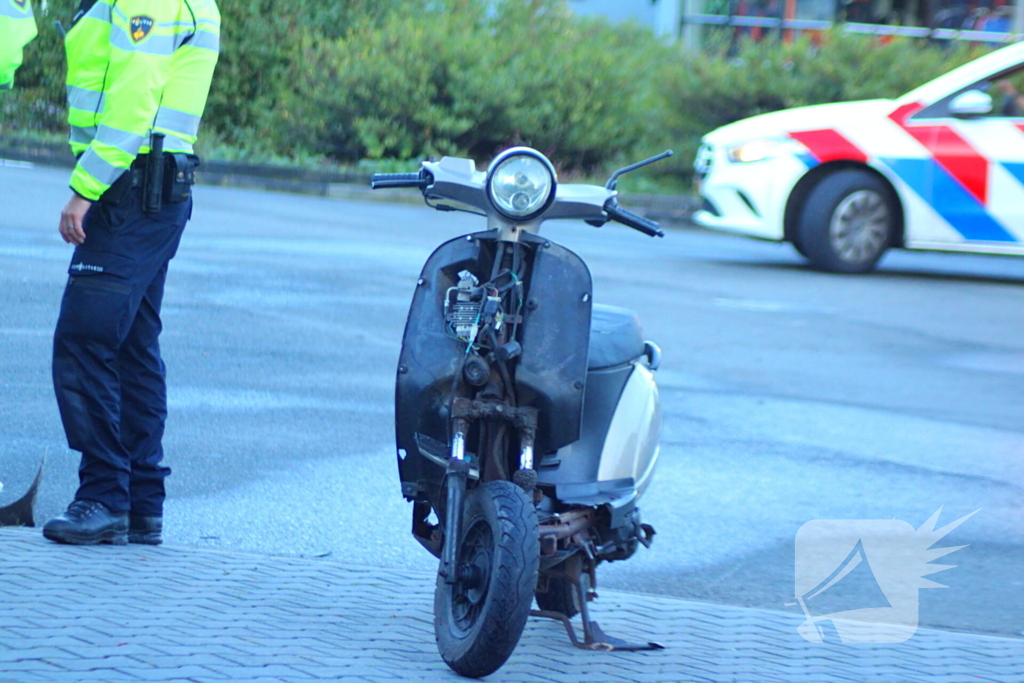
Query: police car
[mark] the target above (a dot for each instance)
(940, 168)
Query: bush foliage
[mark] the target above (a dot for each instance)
(352, 80)
(457, 79)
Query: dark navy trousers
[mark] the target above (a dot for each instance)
(107, 371)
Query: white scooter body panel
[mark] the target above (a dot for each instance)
(632, 445)
(615, 457)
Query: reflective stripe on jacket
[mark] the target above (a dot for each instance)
(134, 67)
(17, 29)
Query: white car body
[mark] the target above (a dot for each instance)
(959, 180)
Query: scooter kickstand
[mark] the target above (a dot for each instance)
(594, 638)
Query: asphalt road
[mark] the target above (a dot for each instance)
(789, 395)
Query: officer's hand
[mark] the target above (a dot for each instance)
(71, 219)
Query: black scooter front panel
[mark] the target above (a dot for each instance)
(428, 362)
(550, 373)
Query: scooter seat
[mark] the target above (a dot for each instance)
(615, 337)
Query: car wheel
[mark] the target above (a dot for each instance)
(799, 247)
(848, 221)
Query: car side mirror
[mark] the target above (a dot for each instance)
(971, 103)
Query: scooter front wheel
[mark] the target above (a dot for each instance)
(478, 619)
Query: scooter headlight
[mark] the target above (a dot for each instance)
(521, 183)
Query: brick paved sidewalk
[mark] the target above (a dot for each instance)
(184, 614)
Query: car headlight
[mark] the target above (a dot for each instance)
(521, 183)
(765, 148)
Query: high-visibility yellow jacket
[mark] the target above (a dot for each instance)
(134, 67)
(17, 29)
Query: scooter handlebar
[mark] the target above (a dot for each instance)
(380, 180)
(632, 220)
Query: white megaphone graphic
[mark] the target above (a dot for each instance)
(884, 559)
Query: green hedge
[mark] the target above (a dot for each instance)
(457, 79)
(37, 102)
(380, 80)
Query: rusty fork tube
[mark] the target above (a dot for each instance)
(458, 472)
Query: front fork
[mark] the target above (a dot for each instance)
(457, 474)
(464, 410)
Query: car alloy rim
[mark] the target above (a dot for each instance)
(860, 226)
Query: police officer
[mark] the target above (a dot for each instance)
(17, 29)
(139, 72)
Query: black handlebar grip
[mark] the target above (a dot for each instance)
(380, 180)
(396, 176)
(635, 221)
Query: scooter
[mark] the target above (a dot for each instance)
(527, 418)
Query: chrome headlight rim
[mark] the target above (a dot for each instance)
(507, 155)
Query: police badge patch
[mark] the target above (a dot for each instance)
(141, 25)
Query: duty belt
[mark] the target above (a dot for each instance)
(178, 178)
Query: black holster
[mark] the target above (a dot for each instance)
(153, 175)
(176, 180)
(179, 177)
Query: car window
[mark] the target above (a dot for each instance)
(1008, 94)
(1006, 91)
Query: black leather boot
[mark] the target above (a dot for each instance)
(88, 522)
(146, 530)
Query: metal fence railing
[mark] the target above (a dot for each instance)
(870, 29)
